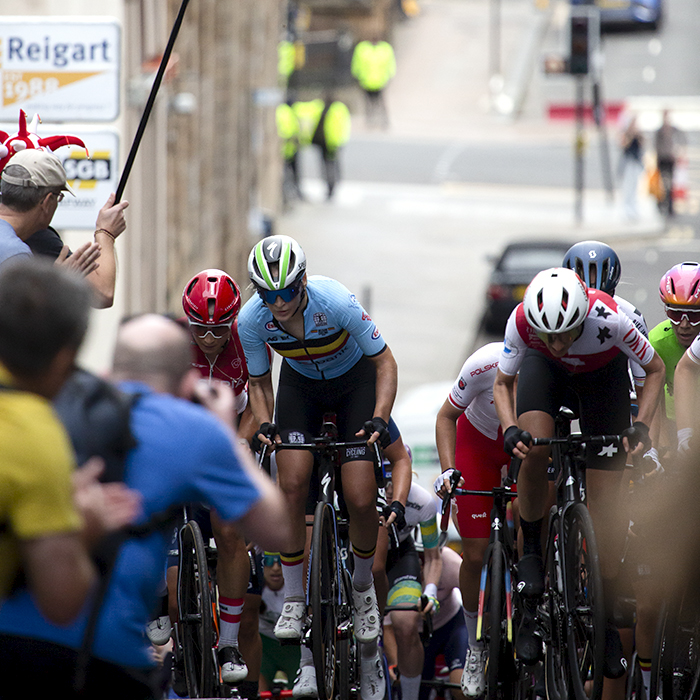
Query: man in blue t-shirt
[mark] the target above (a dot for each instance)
(183, 454)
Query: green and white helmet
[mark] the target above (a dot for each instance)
(287, 257)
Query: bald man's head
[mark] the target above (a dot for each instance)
(152, 349)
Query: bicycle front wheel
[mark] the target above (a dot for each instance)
(584, 601)
(196, 606)
(555, 666)
(323, 597)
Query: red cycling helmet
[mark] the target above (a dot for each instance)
(680, 286)
(211, 297)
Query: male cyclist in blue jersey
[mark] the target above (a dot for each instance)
(335, 360)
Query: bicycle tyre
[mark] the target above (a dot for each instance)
(323, 597)
(679, 664)
(348, 649)
(634, 689)
(584, 596)
(555, 665)
(196, 608)
(499, 676)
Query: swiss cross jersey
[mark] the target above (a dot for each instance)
(638, 374)
(607, 331)
(337, 332)
(473, 390)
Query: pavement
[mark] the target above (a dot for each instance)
(418, 255)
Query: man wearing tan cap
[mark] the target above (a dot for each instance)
(31, 186)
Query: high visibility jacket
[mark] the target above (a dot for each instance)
(373, 65)
(287, 130)
(336, 123)
(285, 58)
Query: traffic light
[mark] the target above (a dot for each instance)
(579, 61)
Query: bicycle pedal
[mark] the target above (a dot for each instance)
(291, 642)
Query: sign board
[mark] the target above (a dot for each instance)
(92, 179)
(61, 68)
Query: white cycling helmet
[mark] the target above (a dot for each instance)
(555, 301)
(283, 251)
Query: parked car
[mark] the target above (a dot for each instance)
(627, 14)
(513, 271)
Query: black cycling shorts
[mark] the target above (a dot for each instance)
(600, 399)
(302, 402)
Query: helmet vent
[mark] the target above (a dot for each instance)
(211, 307)
(580, 269)
(604, 275)
(592, 280)
(564, 299)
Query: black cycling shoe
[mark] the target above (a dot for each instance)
(528, 643)
(531, 576)
(178, 682)
(615, 665)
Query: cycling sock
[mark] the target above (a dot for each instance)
(471, 618)
(293, 572)
(410, 687)
(230, 610)
(368, 650)
(645, 667)
(532, 536)
(362, 578)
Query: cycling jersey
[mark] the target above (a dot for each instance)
(607, 331)
(638, 374)
(694, 350)
(664, 341)
(420, 510)
(472, 392)
(337, 333)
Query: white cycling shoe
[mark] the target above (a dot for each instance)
(159, 630)
(233, 668)
(365, 615)
(474, 676)
(372, 680)
(291, 620)
(305, 683)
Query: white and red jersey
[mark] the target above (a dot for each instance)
(607, 331)
(472, 392)
(229, 367)
(638, 374)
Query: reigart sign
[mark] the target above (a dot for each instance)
(61, 68)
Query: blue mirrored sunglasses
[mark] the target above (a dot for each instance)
(272, 559)
(269, 296)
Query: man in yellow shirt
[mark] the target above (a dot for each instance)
(46, 519)
(373, 66)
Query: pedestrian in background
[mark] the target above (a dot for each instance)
(631, 166)
(669, 142)
(373, 66)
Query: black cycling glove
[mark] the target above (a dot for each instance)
(268, 430)
(512, 437)
(378, 425)
(400, 510)
(639, 432)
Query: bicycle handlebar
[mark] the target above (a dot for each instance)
(576, 440)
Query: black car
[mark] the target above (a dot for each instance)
(513, 271)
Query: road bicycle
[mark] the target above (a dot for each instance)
(497, 614)
(572, 613)
(328, 629)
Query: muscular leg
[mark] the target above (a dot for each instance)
(409, 651)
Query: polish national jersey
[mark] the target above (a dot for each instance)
(420, 510)
(473, 390)
(337, 332)
(607, 331)
(229, 367)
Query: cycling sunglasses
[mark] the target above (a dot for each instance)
(565, 337)
(269, 296)
(676, 315)
(201, 330)
(272, 559)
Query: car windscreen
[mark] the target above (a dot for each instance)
(534, 259)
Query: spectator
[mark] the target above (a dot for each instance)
(669, 142)
(631, 166)
(374, 65)
(288, 132)
(276, 657)
(33, 183)
(43, 318)
(183, 454)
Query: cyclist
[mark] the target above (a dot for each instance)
(686, 382)
(469, 438)
(570, 345)
(335, 359)
(397, 568)
(679, 290)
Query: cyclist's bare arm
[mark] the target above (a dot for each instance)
(504, 401)
(387, 383)
(685, 392)
(446, 434)
(432, 569)
(401, 473)
(261, 399)
(653, 386)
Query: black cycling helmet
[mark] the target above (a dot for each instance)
(596, 264)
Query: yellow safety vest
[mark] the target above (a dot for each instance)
(373, 65)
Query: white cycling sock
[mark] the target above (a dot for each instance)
(471, 618)
(230, 610)
(307, 656)
(410, 687)
(362, 577)
(293, 572)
